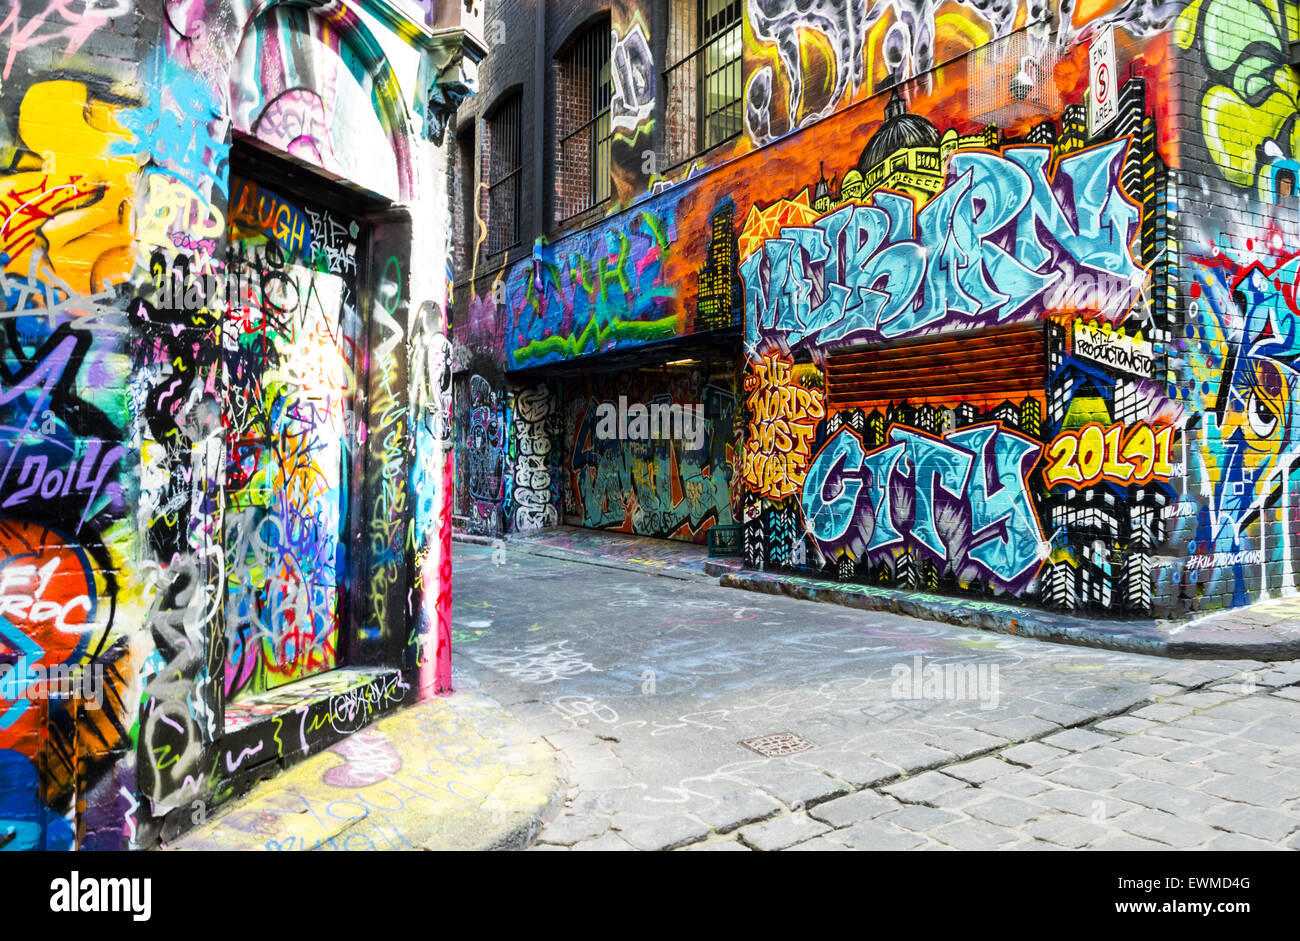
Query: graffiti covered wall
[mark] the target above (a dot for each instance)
(1236, 523)
(184, 380)
(910, 175)
(650, 454)
(977, 308)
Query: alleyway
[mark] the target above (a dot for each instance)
(918, 734)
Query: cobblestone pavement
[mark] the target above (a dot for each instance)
(918, 735)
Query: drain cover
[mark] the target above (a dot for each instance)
(778, 744)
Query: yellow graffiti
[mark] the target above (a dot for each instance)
(69, 199)
(783, 417)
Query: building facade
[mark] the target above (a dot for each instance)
(226, 385)
(966, 305)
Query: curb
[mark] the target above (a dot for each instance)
(1144, 636)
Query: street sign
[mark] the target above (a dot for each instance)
(1103, 84)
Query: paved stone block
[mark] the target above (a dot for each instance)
(1202, 699)
(965, 743)
(1238, 765)
(1086, 778)
(1243, 747)
(717, 846)
(1020, 728)
(604, 844)
(1177, 832)
(1077, 739)
(1020, 784)
(878, 835)
(1084, 803)
(1198, 674)
(858, 769)
(1125, 725)
(1192, 754)
(1231, 842)
(920, 818)
(1005, 811)
(1253, 821)
(598, 802)
(1125, 842)
(782, 832)
(660, 833)
(1174, 800)
(1207, 722)
(1168, 772)
(973, 835)
(980, 770)
(573, 828)
(1281, 738)
(572, 739)
(1272, 792)
(914, 758)
(843, 811)
(1102, 758)
(1065, 830)
(1163, 712)
(1183, 733)
(797, 788)
(737, 808)
(1147, 744)
(610, 778)
(1032, 753)
(820, 844)
(923, 788)
(961, 799)
(1062, 713)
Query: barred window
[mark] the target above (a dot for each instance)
(582, 121)
(703, 77)
(502, 171)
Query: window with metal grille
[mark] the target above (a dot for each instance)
(583, 122)
(502, 172)
(704, 77)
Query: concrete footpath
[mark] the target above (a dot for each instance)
(1266, 631)
(453, 773)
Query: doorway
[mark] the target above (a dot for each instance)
(290, 344)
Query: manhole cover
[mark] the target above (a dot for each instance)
(778, 744)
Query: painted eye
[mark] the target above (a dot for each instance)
(1263, 422)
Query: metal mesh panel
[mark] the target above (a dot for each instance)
(1013, 78)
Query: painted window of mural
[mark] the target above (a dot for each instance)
(289, 346)
(703, 76)
(583, 126)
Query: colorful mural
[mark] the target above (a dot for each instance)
(648, 457)
(891, 206)
(288, 342)
(184, 426)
